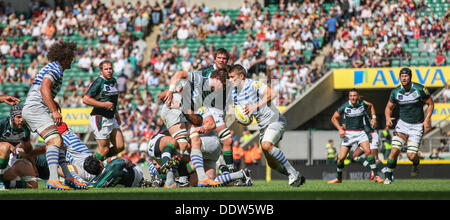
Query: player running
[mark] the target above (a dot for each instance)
(103, 95)
(42, 114)
(254, 96)
(412, 125)
(353, 112)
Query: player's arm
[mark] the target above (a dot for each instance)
(267, 96)
(10, 100)
(208, 125)
(427, 122)
(173, 85)
(335, 122)
(46, 92)
(87, 100)
(388, 112)
(371, 108)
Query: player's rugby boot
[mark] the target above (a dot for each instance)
(74, 183)
(333, 181)
(209, 183)
(296, 179)
(55, 184)
(378, 179)
(173, 162)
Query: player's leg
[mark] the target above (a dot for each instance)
(197, 158)
(227, 149)
(370, 158)
(181, 135)
(22, 175)
(54, 143)
(414, 138)
(4, 159)
(340, 164)
(398, 140)
(270, 138)
(117, 141)
(169, 156)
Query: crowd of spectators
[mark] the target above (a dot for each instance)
(375, 33)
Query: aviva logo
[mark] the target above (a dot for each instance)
(388, 77)
(76, 116)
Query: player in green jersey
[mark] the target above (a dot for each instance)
(13, 132)
(119, 171)
(410, 97)
(353, 111)
(103, 95)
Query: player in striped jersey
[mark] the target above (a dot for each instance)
(255, 96)
(77, 152)
(42, 113)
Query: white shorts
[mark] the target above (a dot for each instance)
(352, 137)
(38, 117)
(154, 143)
(138, 175)
(102, 126)
(211, 150)
(218, 116)
(375, 141)
(273, 133)
(413, 131)
(171, 117)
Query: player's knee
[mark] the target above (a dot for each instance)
(413, 148)
(4, 148)
(267, 146)
(397, 142)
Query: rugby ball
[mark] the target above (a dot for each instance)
(241, 117)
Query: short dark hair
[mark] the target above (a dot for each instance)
(92, 165)
(238, 69)
(59, 51)
(221, 51)
(353, 90)
(222, 74)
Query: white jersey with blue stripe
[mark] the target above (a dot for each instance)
(52, 71)
(77, 151)
(252, 92)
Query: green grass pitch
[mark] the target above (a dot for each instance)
(423, 189)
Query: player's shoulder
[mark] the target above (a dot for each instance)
(4, 122)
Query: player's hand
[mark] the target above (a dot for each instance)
(426, 126)
(57, 118)
(249, 109)
(374, 123)
(201, 130)
(108, 105)
(342, 133)
(168, 98)
(10, 100)
(389, 122)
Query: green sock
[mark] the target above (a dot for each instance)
(99, 156)
(167, 152)
(228, 157)
(112, 152)
(391, 164)
(340, 168)
(372, 164)
(3, 165)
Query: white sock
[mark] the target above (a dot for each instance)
(197, 160)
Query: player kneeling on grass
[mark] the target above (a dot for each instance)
(119, 171)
